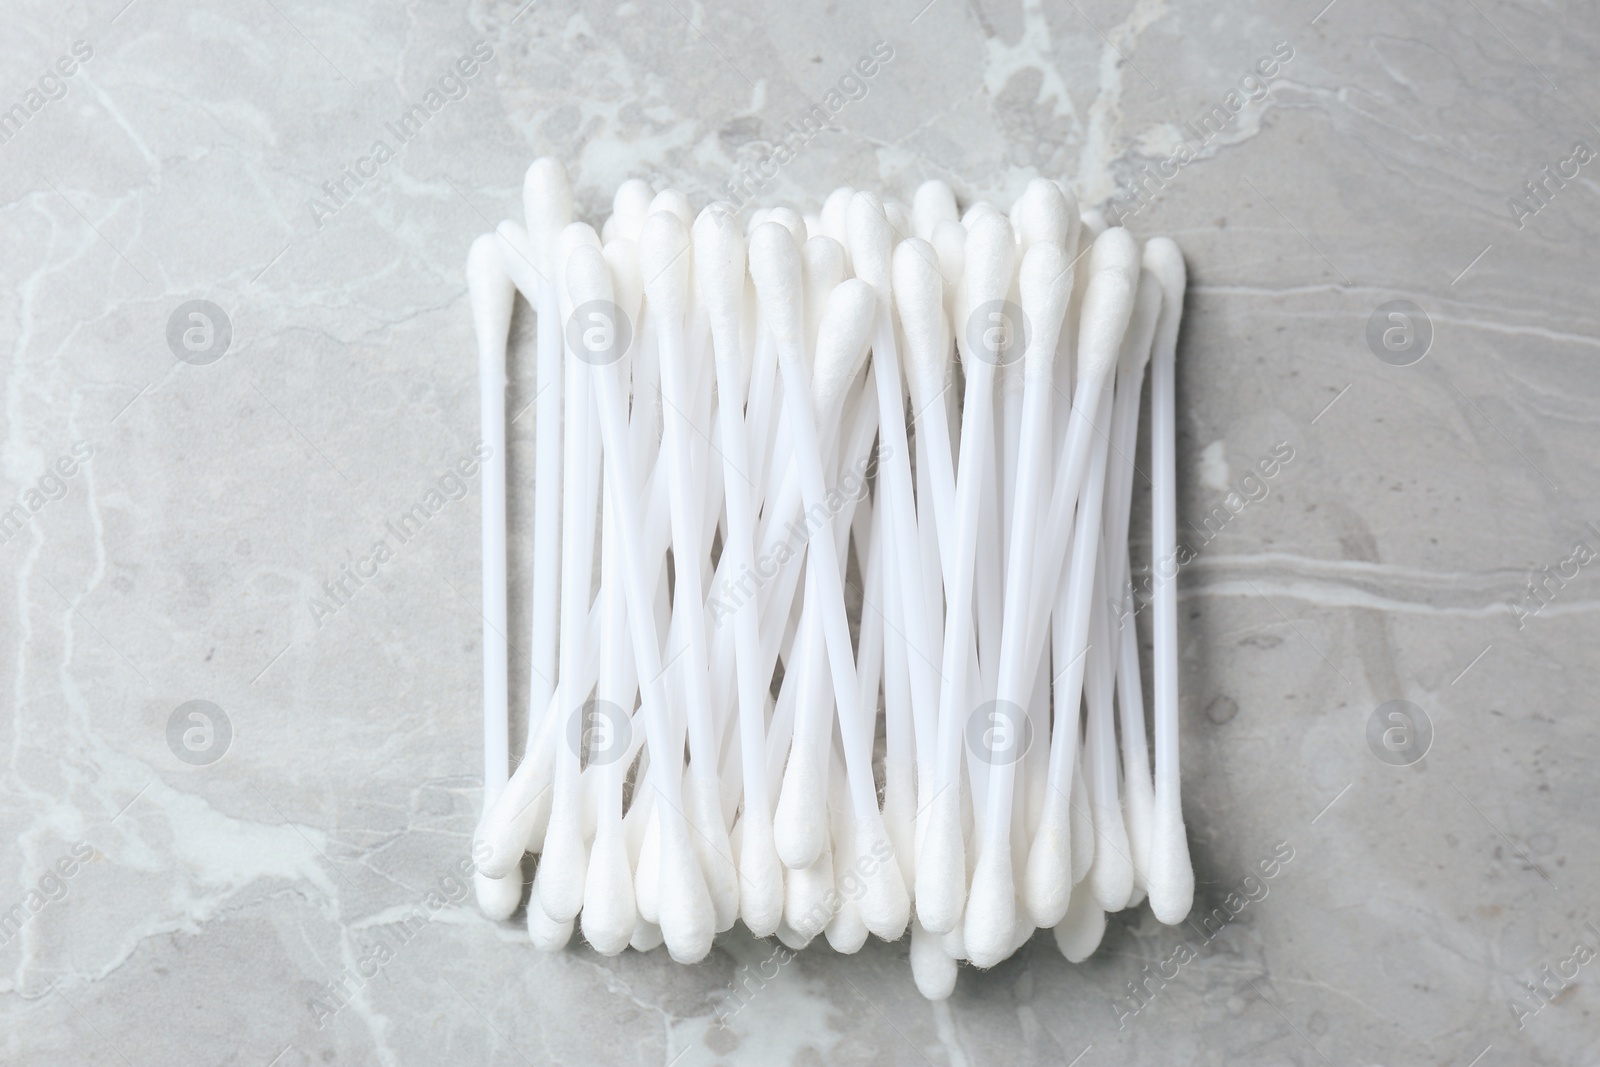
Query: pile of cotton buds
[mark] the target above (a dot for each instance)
(832, 632)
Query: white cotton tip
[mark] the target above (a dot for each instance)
(1141, 325)
(564, 864)
(630, 206)
(991, 916)
(871, 240)
(950, 241)
(900, 816)
(1045, 285)
(776, 271)
(1115, 249)
(919, 303)
(627, 284)
(573, 236)
(1043, 214)
(504, 831)
(1107, 302)
(808, 898)
(1171, 874)
(1138, 815)
(933, 971)
(646, 937)
(587, 275)
(899, 219)
(989, 269)
(516, 256)
(842, 338)
(546, 209)
(813, 225)
(1074, 218)
(497, 897)
(1021, 934)
(688, 919)
(1083, 843)
(490, 289)
(954, 943)
(757, 217)
(1093, 222)
(1082, 824)
(665, 262)
(719, 255)
(846, 930)
(932, 204)
(1110, 879)
(1163, 259)
(674, 203)
(885, 904)
(609, 914)
(942, 865)
(792, 221)
(709, 836)
(1079, 932)
(1047, 883)
(546, 934)
(647, 872)
(791, 938)
(760, 876)
(1107, 307)
(976, 211)
(825, 265)
(835, 210)
(800, 822)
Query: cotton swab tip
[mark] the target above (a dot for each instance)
(627, 285)
(792, 221)
(1042, 213)
(919, 298)
(1107, 302)
(933, 970)
(1045, 285)
(719, 260)
(990, 265)
(497, 897)
(631, 206)
(1115, 249)
(546, 206)
(775, 269)
(932, 204)
(609, 913)
(587, 275)
(941, 865)
(991, 256)
(1171, 873)
(842, 341)
(991, 916)
(824, 264)
(664, 261)
(1161, 256)
(871, 240)
(674, 203)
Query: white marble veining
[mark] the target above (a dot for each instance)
(295, 902)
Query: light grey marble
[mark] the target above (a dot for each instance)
(181, 162)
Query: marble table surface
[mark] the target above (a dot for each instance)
(180, 503)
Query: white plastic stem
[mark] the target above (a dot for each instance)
(1080, 582)
(545, 589)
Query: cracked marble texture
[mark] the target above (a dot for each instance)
(209, 906)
